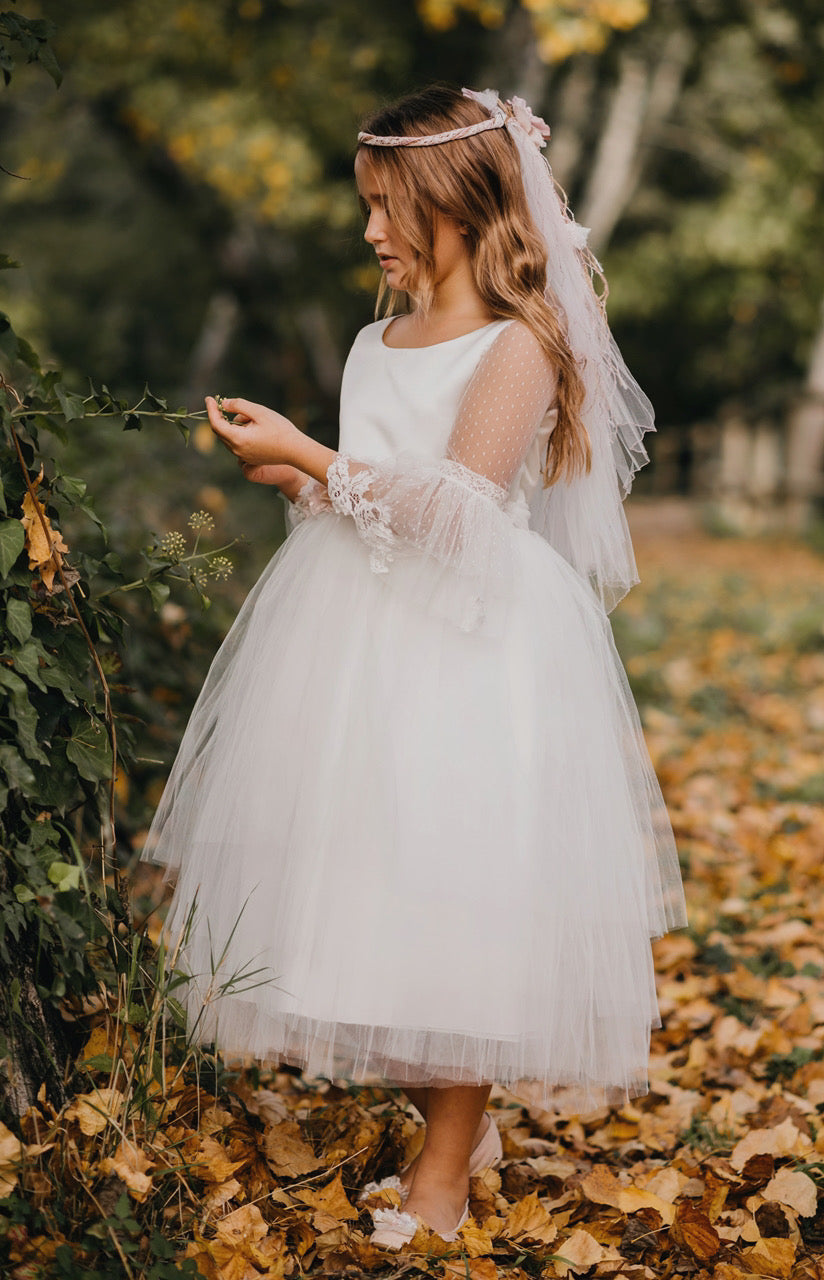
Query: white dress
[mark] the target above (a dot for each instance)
(415, 826)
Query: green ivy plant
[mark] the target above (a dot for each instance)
(64, 912)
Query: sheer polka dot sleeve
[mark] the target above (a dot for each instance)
(507, 398)
(442, 523)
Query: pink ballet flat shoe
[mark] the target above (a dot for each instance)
(486, 1154)
(394, 1229)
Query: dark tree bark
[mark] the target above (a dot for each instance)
(36, 1042)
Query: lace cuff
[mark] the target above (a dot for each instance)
(311, 499)
(460, 474)
(442, 527)
(349, 496)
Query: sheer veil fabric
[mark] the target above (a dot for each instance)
(585, 519)
(415, 828)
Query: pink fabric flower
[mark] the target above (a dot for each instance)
(536, 129)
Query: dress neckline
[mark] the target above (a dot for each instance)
(445, 343)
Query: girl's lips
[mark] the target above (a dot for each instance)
(386, 261)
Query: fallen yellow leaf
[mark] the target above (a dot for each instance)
(330, 1204)
(694, 1232)
(602, 1187)
(93, 1111)
(476, 1240)
(793, 1188)
(287, 1155)
(11, 1150)
(782, 1140)
(478, 1269)
(44, 544)
(771, 1257)
(580, 1251)
(214, 1200)
(246, 1223)
(130, 1165)
(213, 1163)
(529, 1220)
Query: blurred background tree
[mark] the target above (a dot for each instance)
(189, 207)
(185, 212)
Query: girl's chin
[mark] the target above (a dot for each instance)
(394, 277)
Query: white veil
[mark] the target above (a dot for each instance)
(584, 519)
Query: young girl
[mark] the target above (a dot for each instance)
(414, 793)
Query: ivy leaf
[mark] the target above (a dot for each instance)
(155, 402)
(14, 768)
(32, 35)
(57, 787)
(18, 619)
(7, 263)
(71, 404)
(132, 422)
(12, 541)
(64, 876)
(23, 714)
(159, 591)
(50, 64)
(71, 488)
(89, 749)
(26, 660)
(56, 678)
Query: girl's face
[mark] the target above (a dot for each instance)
(395, 254)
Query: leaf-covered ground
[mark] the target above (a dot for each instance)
(718, 1173)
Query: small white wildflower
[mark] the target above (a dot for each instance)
(221, 567)
(172, 546)
(201, 522)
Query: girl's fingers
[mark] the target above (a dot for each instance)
(216, 419)
(245, 407)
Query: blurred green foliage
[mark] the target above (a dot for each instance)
(188, 209)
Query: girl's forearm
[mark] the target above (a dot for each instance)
(312, 458)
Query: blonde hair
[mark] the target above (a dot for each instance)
(477, 182)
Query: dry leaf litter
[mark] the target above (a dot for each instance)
(716, 1174)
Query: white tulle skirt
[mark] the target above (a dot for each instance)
(411, 851)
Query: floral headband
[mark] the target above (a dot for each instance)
(536, 129)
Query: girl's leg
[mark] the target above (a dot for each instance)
(419, 1097)
(440, 1184)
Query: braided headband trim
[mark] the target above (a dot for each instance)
(433, 139)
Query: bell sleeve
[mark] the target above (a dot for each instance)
(441, 524)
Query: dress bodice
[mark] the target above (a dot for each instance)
(406, 398)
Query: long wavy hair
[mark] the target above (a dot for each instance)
(477, 182)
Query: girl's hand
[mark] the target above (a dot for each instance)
(258, 436)
(288, 479)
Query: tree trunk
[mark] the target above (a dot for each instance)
(805, 441)
(568, 118)
(324, 354)
(607, 189)
(642, 100)
(513, 64)
(35, 1043)
(217, 330)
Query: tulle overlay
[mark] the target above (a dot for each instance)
(426, 851)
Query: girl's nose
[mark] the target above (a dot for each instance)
(374, 231)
